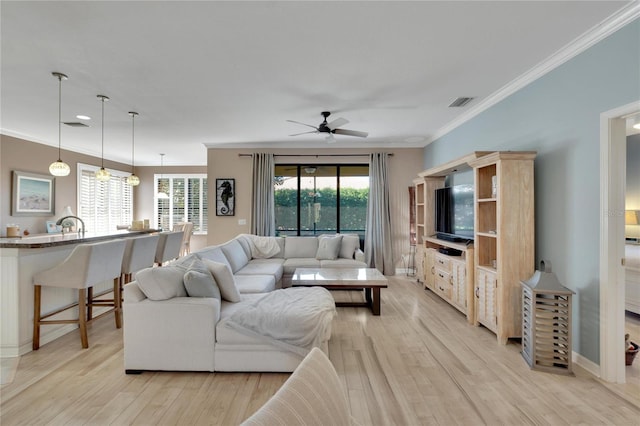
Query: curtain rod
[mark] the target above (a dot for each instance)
(315, 155)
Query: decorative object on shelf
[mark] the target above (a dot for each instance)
(33, 194)
(13, 230)
(133, 180)
(630, 350)
(494, 186)
(225, 197)
(161, 194)
(546, 322)
(59, 168)
(52, 228)
(102, 174)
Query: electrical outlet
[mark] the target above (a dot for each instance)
(242, 221)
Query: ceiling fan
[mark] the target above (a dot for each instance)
(331, 128)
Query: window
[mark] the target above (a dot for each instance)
(103, 205)
(321, 199)
(186, 202)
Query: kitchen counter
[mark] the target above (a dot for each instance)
(20, 260)
(54, 240)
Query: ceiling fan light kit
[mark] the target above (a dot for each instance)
(331, 128)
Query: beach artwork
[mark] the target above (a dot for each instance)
(33, 194)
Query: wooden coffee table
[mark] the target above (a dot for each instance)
(369, 279)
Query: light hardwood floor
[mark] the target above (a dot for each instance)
(417, 363)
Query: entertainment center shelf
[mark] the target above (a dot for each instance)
(483, 281)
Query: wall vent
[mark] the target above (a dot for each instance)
(75, 124)
(460, 102)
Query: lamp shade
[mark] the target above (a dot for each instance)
(59, 168)
(66, 212)
(632, 217)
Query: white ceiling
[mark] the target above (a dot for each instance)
(231, 73)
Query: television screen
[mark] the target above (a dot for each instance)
(454, 212)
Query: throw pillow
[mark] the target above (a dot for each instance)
(162, 283)
(328, 247)
(199, 282)
(349, 245)
(224, 278)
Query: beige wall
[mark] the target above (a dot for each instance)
(226, 163)
(26, 156)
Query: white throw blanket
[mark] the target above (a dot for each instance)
(262, 247)
(297, 319)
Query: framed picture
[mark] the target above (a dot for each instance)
(52, 228)
(225, 197)
(33, 194)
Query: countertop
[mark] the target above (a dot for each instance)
(54, 240)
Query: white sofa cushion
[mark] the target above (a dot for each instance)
(290, 265)
(225, 280)
(350, 243)
(263, 267)
(213, 253)
(162, 283)
(296, 247)
(255, 283)
(235, 254)
(328, 247)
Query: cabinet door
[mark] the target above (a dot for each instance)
(429, 268)
(486, 298)
(459, 284)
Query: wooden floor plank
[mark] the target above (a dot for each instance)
(419, 362)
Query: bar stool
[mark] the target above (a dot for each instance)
(86, 266)
(187, 228)
(168, 246)
(140, 253)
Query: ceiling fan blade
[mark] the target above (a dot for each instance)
(304, 133)
(337, 123)
(350, 133)
(308, 125)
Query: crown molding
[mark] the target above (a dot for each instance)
(592, 36)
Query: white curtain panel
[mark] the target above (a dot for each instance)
(377, 240)
(263, 220)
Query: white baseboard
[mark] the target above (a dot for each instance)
(585, 363)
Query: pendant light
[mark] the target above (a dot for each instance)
(162, 195)
(133, 180)
(59, 168)
(102, 174)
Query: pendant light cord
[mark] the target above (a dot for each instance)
(102, 159)
(133, 141)
(59, 118)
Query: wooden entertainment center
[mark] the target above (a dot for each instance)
(483, 282)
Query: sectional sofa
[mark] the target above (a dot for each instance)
(175, 319)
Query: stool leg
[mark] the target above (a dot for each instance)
(89, 303)
(82, 319)
(117, 302)
(37, 293)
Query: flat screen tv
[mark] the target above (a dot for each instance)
(454, 213)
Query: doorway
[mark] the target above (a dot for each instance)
(612, 202)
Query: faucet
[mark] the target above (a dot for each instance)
(81, 230)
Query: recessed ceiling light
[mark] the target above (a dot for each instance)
(83, 117)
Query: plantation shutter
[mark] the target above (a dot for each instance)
(187, 201)
(104, 205)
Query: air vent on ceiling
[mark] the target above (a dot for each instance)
(75, 124)
(460, 102)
